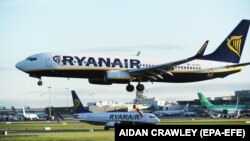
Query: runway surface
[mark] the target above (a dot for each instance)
(52, 131)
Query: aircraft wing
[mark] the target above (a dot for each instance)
(156, 72)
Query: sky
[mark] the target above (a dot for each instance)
(174, 29)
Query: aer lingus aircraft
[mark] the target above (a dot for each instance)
(223, 110)
(107, 70)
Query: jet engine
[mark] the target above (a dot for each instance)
(118, 76)
(99, 81)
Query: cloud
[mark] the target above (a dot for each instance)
(35, 92)
(5, 69)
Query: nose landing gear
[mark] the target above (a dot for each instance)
(40, 83)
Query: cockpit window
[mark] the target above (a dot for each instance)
(31, 58)
(151, 116)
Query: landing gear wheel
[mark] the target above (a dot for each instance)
(39, 83)
(106, 128)
(130, 88)
(140, 87)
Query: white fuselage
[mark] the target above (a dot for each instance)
(77, 65)
(30, 116)
(111, 118)
(169, 112)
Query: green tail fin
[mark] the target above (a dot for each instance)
(203, 100)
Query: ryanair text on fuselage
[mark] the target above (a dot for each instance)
(97, 62)
(124, 117)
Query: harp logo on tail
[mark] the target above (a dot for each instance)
(76, 103)
(234, 44)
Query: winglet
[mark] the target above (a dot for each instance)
(201, 52)
(138, 53)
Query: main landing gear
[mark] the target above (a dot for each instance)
(130, 88)
(139, 87)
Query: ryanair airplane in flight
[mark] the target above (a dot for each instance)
(107, 70)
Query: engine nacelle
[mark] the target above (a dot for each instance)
(112, 123)
(118, 76)
(99, 81)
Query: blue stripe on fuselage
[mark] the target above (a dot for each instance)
(176, 78)
(193, 77)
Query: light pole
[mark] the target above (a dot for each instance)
(49, 87)
(41, 95)
(67, 97)
(42, 99)
(67, 100)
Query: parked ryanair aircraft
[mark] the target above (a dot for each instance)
(107, 70)
(109, 119)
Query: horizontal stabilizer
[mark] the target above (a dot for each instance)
(239, 65)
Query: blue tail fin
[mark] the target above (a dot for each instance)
(231, 48)
(78, 107)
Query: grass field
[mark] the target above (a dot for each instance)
(39, 125)
(68, 136)
(76, 131)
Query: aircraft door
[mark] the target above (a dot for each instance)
(48, 62)
(210, 73)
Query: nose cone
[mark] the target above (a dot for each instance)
(157, 120)
(76, 116)
(21, 65)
